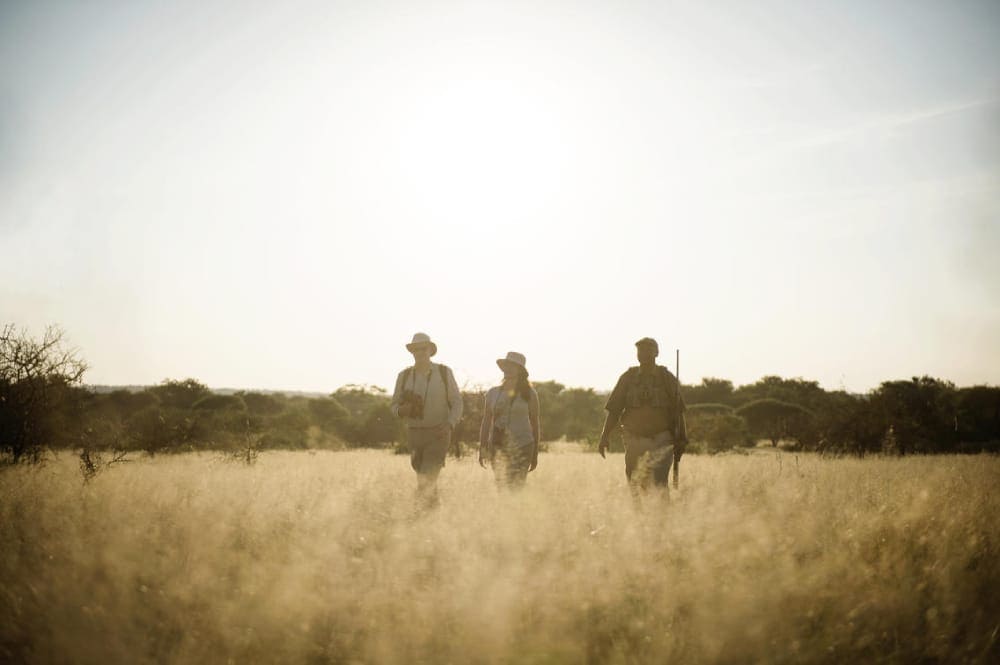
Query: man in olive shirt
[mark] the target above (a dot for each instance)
(647, 404)
(428, 400)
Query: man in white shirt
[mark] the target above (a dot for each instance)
(428, 400)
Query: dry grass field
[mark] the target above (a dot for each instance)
(321, 558)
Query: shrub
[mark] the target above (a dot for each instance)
(220, 403)
(157, 429)
(719, 431)
(180, 394)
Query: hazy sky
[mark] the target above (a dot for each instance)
(278, 195)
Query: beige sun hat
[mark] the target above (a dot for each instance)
(420, 339)
(515, 358)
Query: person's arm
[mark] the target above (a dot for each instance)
(615, 407)
(454, 395)
(535, 429)
(610, 423)
(484, 429)
(397, 397)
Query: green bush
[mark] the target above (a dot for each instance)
(220, 403)
(158, 429)
(329, 415)
(286, 430)
(259, 404)
(718, 431)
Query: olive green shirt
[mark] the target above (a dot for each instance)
(647, 402)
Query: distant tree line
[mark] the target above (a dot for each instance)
(919, 415)
(44, 404)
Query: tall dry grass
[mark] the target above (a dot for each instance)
(321, 558)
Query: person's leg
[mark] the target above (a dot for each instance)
(506, 468)
(517, 473)
(631, 454)
(421, 443)
(499, 467)
(661, 458)
(427, 496)
(435, 442)
(637, 462)
(416, 444)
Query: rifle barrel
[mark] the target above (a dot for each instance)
(677, 425)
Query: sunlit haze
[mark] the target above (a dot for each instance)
(278, 195)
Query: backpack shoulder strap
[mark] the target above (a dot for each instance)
(444, 379)
(496, 397)
(670, 379)
(674, 389)
(443, 369)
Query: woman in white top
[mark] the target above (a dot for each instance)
(508, 436)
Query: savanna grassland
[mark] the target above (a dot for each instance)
(322, 558)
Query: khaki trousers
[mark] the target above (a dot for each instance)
(428, 447)
(647, 456)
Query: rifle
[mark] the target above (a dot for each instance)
(677, 425)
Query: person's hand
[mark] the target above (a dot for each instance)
(603, 445)
(456, 446)
(405, 410)
(482, 459)
(534, 459)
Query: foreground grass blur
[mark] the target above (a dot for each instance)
(322, 558)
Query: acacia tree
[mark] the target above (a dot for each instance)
(36, 377)
(773, 419)
(710, 391)
(807, 394)
(717, 426)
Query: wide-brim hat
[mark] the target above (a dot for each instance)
(514, 358)
(420, 339)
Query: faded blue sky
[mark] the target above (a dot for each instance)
(278, 195)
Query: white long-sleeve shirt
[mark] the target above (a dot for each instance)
(432, 389)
